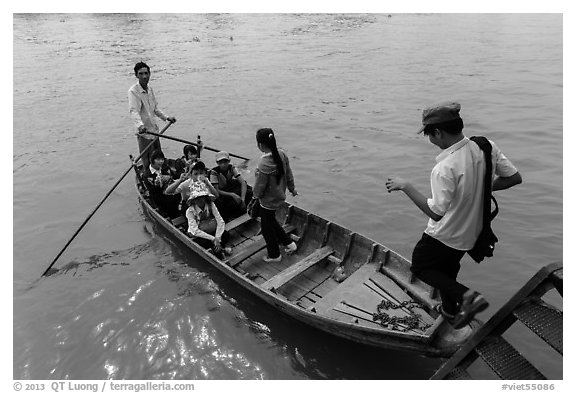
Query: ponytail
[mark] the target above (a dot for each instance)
(266, 137)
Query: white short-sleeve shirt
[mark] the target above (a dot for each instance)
(457, 183)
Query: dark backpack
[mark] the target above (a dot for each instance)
(484, 246)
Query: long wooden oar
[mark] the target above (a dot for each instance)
(192, 143)
(105, 197)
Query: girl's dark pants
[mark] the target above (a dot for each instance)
(438, 265)
(272, 232)
(205, 243)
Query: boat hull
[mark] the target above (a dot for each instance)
(427, 344)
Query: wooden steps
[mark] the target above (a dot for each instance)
(458, 373)
(527, 307)
(292, 271)
(542, 319)
(505, 360)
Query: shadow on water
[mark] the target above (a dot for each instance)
(311, 352)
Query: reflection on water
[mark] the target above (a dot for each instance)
(344, 94)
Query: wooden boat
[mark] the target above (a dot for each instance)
(338, 281)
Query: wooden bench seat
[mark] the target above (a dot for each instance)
(179, 221)
(235, 223)
(292, 271)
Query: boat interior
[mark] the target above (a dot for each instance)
(334, 273)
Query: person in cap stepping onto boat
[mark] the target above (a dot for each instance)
(143, 109)
(205, 224)
(234, 192)
(195, 176)
(455, 208)
(157, 177)
(273, 176)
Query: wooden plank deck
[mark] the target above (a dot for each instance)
(252, 249)
(359, 296)
(346, 290)
(297, 268)
(247, 252)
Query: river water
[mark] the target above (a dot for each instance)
(344, 94)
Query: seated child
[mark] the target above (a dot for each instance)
(190, 157)
(234, 192)
(205, 225)
(156, 178)
(182, 186)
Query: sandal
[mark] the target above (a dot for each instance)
(472, 303)
(447, 316)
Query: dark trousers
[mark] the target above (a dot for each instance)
(228, 208)
(272, 232)
(438, 265)
(168, 204)
(205, 243)
(142, 143)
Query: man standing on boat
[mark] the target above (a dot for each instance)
(143, 109)
(455, 209)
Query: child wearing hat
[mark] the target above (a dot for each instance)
(205, 224)
(195, 175)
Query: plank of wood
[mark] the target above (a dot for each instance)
(235, 223)
(179, 221)
(347, 289)
(252, 249)
(297, 268)
(247, 252)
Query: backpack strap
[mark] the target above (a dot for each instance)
(487, 214)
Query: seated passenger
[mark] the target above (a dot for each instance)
(234, 192)
(205, 225)
(156, 178)
(190, 157)
(182, 186)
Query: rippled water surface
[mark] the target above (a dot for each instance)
(344, 94)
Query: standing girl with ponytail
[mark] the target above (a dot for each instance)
(273, 176)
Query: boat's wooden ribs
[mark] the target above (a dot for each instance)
(289, 273)
(304, 229)
(326, 233)
(348, 245)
